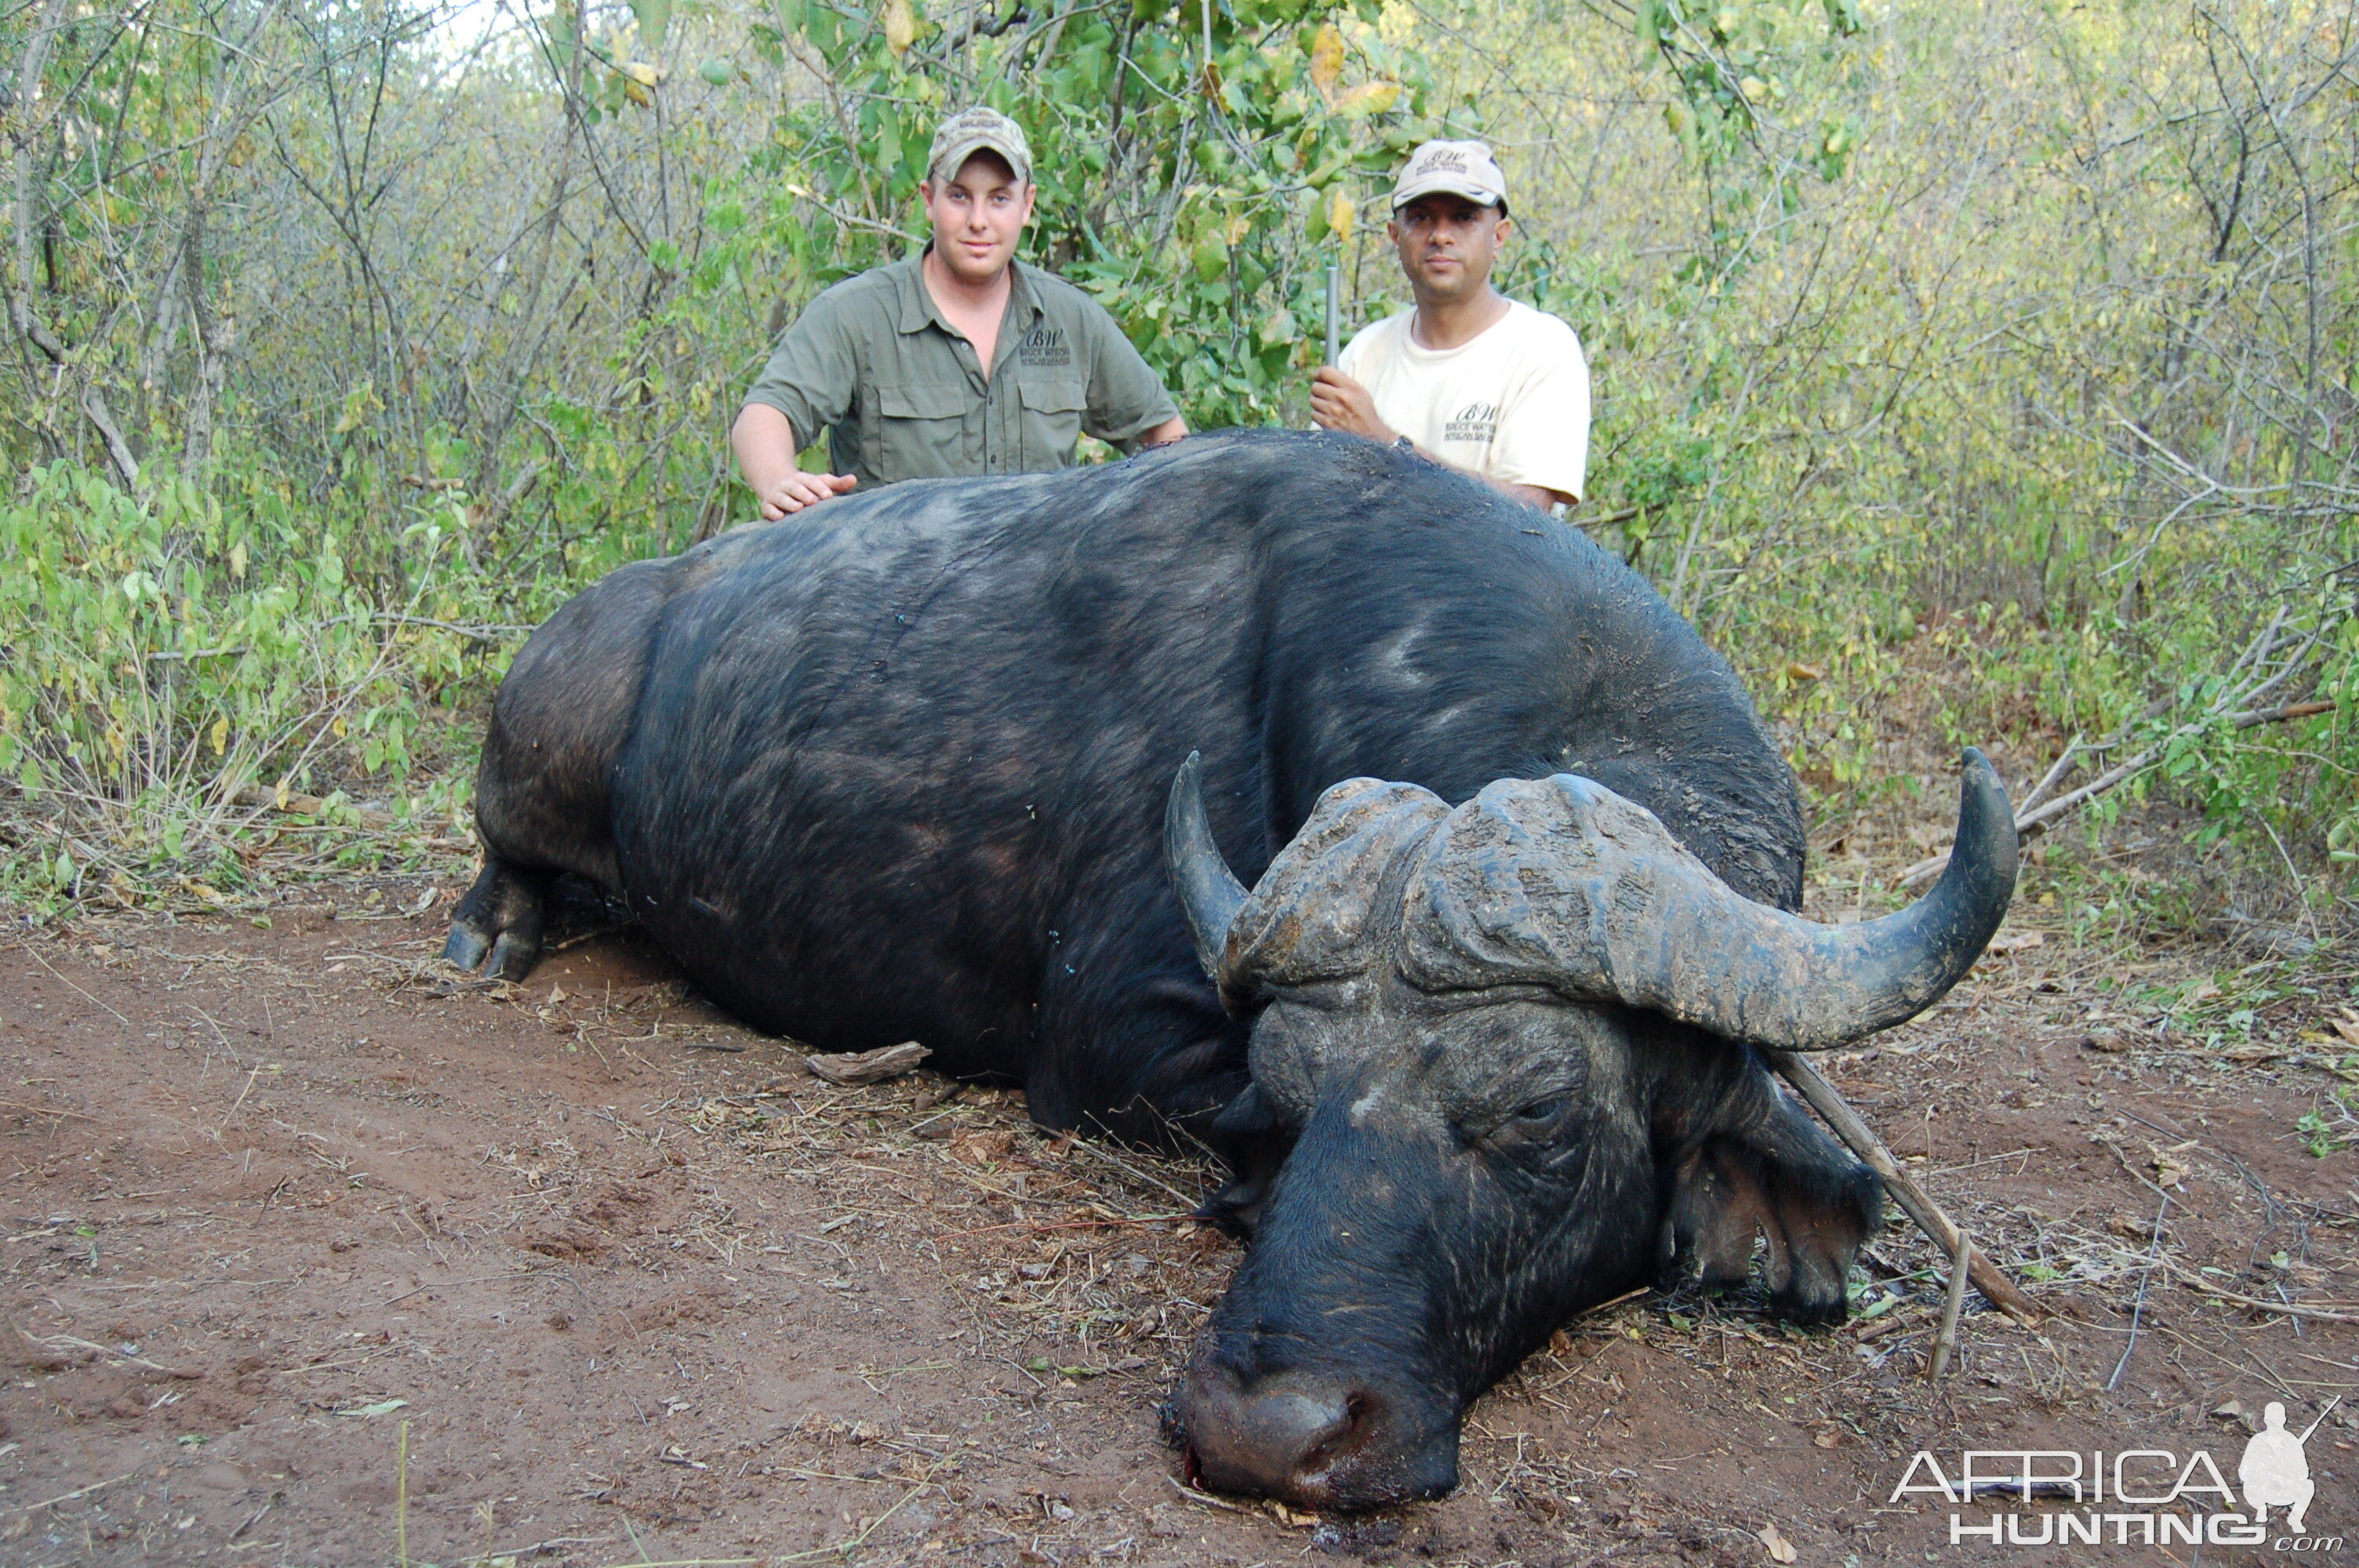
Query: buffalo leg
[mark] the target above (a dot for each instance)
(501, 914)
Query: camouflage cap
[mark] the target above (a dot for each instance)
(970, 131)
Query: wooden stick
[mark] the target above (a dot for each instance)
(1946, 1341)
(2039, 791)
(2038, 819)
(1854, 1131)
(2285, 1309)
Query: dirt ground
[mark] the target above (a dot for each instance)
(316, 1255)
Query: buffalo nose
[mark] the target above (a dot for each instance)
(1283, 1437)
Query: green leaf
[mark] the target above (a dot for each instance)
(654, 16)
(716, 71)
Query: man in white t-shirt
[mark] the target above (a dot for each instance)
(1469, 378)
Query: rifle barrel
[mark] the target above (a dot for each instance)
(1334, 321)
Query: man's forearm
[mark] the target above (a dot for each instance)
(764, 440)
(1538, 497)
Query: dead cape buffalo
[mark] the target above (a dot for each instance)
(1473, 1021)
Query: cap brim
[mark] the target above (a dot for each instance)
(1445, 185)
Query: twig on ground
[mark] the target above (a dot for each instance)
(2337, 1312)
(1067, 1225)
(85, 995)
(453, 1284)
(2137, 1311)
(44, 1110)
(1945, 1343)
(847, 1548)
(69, 1497)
(1206, 1499)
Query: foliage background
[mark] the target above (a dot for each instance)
(1968, 373)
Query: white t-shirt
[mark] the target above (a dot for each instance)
(1512, 403)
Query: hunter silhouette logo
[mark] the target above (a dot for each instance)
(2141, 1497)
(2275, 1471)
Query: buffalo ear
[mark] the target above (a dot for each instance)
(1813, 1207)
(1253, 1140)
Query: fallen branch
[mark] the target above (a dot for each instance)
(1945, 1343)
(1854, 1131)
(848, 1067)
(2038, 819)
(1038, 1224)
(2286, 1309)
(296, 804)
(305, 806)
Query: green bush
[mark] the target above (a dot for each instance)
(163, 658)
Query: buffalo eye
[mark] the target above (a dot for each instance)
(1539, 1120)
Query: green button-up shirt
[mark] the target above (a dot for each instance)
(903, 396)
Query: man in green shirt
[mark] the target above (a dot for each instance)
(956, 360)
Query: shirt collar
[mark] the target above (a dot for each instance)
(918, 309)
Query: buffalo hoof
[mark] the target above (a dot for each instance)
(467, 947)
(503, 913)
(512, 957)
(1315, 1441)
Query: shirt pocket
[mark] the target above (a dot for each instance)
(1053, 406)
(920, 431)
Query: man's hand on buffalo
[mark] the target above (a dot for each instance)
(765, 441)
(798, 490)
(1339, 403)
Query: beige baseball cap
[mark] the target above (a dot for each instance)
(970, 131)
(1461, 169)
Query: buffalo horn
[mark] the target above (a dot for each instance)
(1209, 891)
(1562, 882)
(1800, 986)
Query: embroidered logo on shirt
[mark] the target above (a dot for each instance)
(1045, 347)
(1474, 423)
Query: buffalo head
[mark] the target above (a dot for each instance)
(1501, 1071)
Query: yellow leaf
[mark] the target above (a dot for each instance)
(637, 94)
(1338, 215)
(237, 561)
(220, 736)
(1368, 98)
(1804, 672)
(337, 728)
(211, 896)
(1780, 1548)
(643, 73)
(900, 25)
(279, 799)
(1327, 62)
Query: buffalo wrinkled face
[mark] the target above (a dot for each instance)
(1459, 1179)
(1503, 1067)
